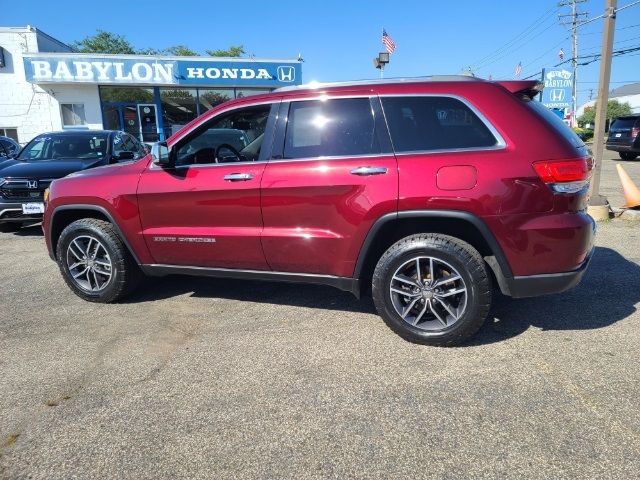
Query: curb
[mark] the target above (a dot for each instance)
(626, 214)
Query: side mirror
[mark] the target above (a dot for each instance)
(161, 154)
(126, 156)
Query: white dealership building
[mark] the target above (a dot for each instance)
(46, 86)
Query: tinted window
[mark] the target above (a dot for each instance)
(556, 122)
(233, 137)
(341, 127)
(623, 123)
(434, 123)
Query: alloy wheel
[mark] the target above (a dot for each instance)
(428, 293)
(89, 264)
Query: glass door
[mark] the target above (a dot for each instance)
(148, 121)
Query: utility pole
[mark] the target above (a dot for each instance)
(598, 205)
(575, 17)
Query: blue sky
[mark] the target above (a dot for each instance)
(338, 39)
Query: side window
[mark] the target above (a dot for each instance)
(4, 148)
(338, 127)
(434, 123)
(118, 143)
(234, 136)
(137, 147)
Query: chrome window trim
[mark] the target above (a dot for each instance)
(330, 158)
(500, 145)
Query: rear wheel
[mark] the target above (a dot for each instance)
(628, 155)
(432, 289)
(94, 261)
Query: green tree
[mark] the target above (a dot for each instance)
(614, 109)
(180, 51)
(232, 51)
(104, 42)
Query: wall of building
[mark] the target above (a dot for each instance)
(34, 109)
(24, 106)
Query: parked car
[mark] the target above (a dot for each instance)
(8, 148)
(427, 191)
(623, 137)
(25, 175)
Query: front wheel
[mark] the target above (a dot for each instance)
(94, 261)
(628, 155)
(432, 289)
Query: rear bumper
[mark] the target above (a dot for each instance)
(535, 285)
(622, 147)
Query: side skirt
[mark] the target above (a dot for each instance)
(346, 284)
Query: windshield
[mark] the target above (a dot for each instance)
(51, 147)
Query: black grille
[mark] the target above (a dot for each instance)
(14, 189)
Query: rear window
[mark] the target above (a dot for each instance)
(556, 122)
(623, 123)
(434, 123)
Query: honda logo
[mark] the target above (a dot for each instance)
(286, 74)
(32, 184)
(557, 95)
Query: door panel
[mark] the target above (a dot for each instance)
(206, 211)
(193, 216)
(317, 213)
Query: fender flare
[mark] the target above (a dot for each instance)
(498, 261)
(95, 208)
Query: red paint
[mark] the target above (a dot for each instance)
(457, 177)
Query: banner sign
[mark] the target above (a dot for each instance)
(143, 70)
(558, 85)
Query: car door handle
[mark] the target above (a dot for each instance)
(238, 177)
(364, 171)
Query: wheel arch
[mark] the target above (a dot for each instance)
(466, 226)
(64, 215)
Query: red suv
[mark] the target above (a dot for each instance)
(428, 190)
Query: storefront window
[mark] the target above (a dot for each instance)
(126, 94)
(245, 92)
(179, 107)
(211, 98)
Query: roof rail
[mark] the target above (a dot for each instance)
(432, 78)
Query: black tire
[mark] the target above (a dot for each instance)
(447, 252)
(628, 155)
(8, 227)
(125, 273)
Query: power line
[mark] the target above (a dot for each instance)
(540, 20)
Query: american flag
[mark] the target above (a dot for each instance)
(518, 69)
(388, 42)
(561, 54)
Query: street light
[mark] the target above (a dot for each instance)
(380, 61)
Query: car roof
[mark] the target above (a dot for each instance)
(79, 132)
(374, 82)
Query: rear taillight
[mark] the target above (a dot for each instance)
(565, 176)
(634, 132)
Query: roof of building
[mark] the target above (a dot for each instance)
(631, 89)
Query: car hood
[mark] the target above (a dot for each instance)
(57, 168)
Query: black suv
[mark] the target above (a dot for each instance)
(24, 176)
(624, 138)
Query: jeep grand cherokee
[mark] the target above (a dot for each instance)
(425, 190)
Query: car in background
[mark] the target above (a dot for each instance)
(624, 137)
(8, 148)
(24, 175)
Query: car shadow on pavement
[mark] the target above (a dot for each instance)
(278, 293)
(607, 294)
(30, 231)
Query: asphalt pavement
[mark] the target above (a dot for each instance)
(208, 378)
